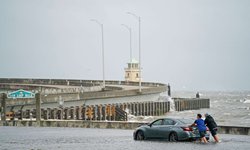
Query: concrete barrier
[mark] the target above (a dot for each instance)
(112, 112)
(72, 82)
(73, 124)
(182, 104)
(236, 130)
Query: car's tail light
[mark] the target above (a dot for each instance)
(187, 129)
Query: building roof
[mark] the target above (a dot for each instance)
(134, 61)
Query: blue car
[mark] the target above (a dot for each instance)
(170, 129)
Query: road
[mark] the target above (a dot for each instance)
(27, 138)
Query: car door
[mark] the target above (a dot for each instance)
(154, 131)
(166, 127)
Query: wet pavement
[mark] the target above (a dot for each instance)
(27, 138)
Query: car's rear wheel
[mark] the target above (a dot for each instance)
(173, 137)
(140, 136)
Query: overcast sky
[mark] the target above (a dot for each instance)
(191, 44)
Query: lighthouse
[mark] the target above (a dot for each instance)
(132, 71)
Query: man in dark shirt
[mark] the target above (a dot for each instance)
(212, 126)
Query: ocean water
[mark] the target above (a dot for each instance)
(227, 108)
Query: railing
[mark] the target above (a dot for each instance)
(110, 112)
(98, 112)
(75, 82)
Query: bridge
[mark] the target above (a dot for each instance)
(75, 92)
(66, 99)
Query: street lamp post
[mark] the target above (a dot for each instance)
(103, 66)
(130, 40)
(139, 21)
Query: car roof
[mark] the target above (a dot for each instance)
(179, 119)
(171, 118)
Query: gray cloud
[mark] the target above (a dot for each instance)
(191, 44)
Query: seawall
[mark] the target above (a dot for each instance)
(236, 130)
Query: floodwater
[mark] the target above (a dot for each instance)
(27, 138)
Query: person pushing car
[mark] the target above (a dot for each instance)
(201, 127)
(212, 126)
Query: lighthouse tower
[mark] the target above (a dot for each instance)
(132, 72)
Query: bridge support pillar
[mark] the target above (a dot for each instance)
(60, 114)
(49, 113)
(129, 105)
(103, 112)
(83, 112)
(72, 113)
(94, 110)
(3, 106)
(150, 108)
(55, 113)
(38, 108)
(136, 109)
(162, 111)
(109, 112)
(154, 109)
(140, 109)
(77, 108)
(133, 109)
(99, 112)
(45, 114)
(144, 109)
(164, 108)
(66, 113)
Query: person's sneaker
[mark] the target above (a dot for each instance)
(217, 142)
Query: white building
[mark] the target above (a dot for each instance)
(132, 72)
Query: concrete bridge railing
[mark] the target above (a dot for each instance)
(86, 89)
(71, 82)
(54, 89)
